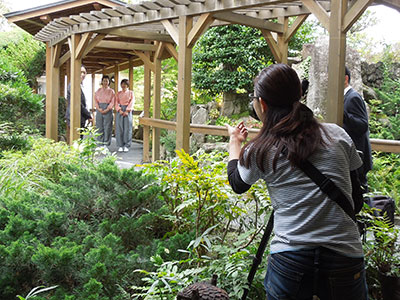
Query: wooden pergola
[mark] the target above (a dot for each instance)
(122, 37)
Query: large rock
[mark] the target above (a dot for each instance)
(209, 147)
(372, 74)
(318, 75)
(200, 116)
(234, 103)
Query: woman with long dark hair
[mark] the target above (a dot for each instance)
(316, 248)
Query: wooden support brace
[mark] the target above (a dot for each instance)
(236, 18)
(318, 11)
(146, 60)
(273, 45)
(56, 50)
(83, 43)
(159, 51)
(93, 43)
(172, 30)
(172, 50)
(354, 13)
(64, 58)
(202, 24)
(295, 26)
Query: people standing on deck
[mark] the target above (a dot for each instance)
(105, 99)
(85, 114)
(355, 122)
(124, 102)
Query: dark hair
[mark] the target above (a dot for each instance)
(105, 77)
(347, 72)
(126, 81)
(304, 86)
(288, 125)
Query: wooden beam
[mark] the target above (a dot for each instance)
(159, 51)
(130, 74)
(146, 110)
(172, 30)
(273, 45)
(318, 11)
(283, 45)
(116, 79)
(184, 85)
(146, 60)
(156, 108)
(122, 66)
(93, 43)
(354, 13)
(235, 18)
(64, 58)
(172, 50)
(126, 46)
(385, 145)
(336, 62)
(201, 26)
(137, 34)
(75, 90)
(295, 26)
(83, 43)
(56, 50)
(93, 77)
(194, 128)
(51, 106)
(62, 81)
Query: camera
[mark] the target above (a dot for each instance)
(252, 111)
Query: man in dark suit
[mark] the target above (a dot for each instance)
(85, 114)
(355, 122)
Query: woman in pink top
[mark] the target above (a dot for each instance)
(123, 123)
(104, 98)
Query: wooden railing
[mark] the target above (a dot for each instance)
(392, 146)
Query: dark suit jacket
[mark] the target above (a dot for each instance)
(355, 122)
(85, 114)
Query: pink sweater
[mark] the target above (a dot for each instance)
(125, 98)
(103, 95)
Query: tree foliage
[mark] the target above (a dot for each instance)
(25, 54)
(227, 58)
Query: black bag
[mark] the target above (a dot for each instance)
(384, 205)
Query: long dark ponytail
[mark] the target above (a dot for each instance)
(289, 126)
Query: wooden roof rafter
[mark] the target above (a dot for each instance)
(155, 12)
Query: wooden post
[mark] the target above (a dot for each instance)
(68, 71)
(75, 103)
(62, 81)
(156, 108)
(52, 93)
(131, 74)
(337, 54)
(146, 112)
(93, 96)
(283, 44)
(184, 85)
(116, 79)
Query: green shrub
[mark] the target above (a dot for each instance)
(69, 220)
(18, 104)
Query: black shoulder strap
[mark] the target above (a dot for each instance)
(328, 187)
(260, 251)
